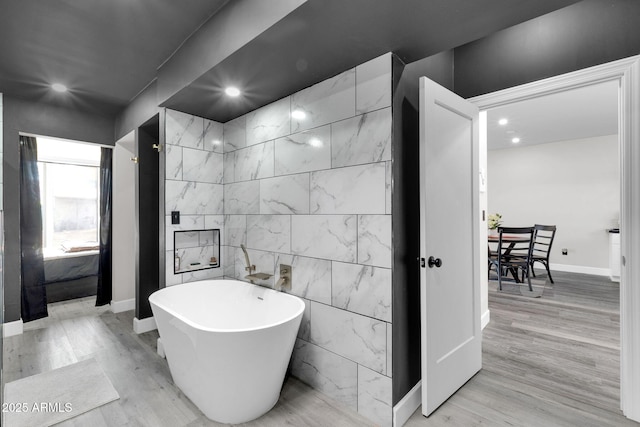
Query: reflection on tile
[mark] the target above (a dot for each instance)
(374, 240)
(235, 134)
(324, 236)
(331, 374)
(326, 102)
(373, 84)
(375, 397)
(229, 167)
(173, 162)
(184, 129)
(356, 337)
(269, 232)
(303, 152)
(285, 195)
(362, 289)
(213, 136)
(311, 277)
(202, 166)
(242, 198)
(269, 122)
(193, 198)
(361, 139)
(235, 230)
(254, 162)
(355, 189)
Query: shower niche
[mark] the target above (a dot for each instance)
(195, 250)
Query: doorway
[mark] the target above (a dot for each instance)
(626, 73)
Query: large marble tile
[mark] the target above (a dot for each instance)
(209, 273)
(361, 139)
(362, 289)
(389, 349)
(285, 195)
(192, 255)
(187, 239)
(356, 337)
(229, 161)
(254, 162)
(242, 198)
(375, 399)
(388, 187)
(187, 222)
(333, 375)
(235, 230)
(326, 102)
(331, 237)
(269, 122)
(304, 151)
(184, 129)
(373, 84)
(305, 323)
(351, 190)
(269, 232)
(173, 162)
(215, 222)
(228, 257)
(374, 240)
(310, 277)
(193, 198)
(235, 134)
(202, 166)
(213, 136)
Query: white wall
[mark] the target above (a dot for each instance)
(574, 185)
(123, 262)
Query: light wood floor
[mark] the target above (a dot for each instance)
(552, 361)
(76, 331)
(549, 361)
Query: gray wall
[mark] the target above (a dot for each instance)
(39, 119)
(585, 34)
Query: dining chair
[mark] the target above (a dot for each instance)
(513, 256)
(542, 240)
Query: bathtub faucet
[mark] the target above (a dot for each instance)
(250, 268)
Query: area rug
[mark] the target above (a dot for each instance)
(55, 396)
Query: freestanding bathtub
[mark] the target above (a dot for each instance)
(228, 344)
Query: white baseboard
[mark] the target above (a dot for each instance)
(403, 410)
(596, 271)
(144, 325)
(10, 329)
(486, 317)
(124, 305)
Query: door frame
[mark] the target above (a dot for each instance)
(627, 73)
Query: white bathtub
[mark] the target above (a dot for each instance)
(228, 344)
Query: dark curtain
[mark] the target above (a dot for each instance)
(34, 296)
(104, 264)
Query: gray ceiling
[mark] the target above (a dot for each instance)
(108, 51)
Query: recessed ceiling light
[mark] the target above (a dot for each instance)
(298, 114)
(59, 87)
(515, 140)
(232, 91)
(503, 122)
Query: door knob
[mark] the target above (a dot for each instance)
(434, 262)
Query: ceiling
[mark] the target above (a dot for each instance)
(107, 52)
(585, 112)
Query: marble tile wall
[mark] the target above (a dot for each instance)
(307, 183)
(194, 176)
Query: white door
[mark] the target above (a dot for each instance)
(449, 243)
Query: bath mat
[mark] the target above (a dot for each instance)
(55, 396)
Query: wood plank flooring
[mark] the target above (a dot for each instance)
(549, 361)
(75, 330)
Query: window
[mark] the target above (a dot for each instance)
(69, 193)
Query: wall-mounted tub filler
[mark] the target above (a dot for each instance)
(252, 277)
